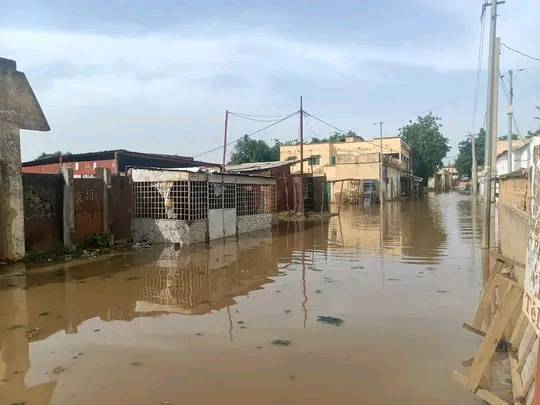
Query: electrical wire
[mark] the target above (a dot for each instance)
(514, 119)
(520, 52)
(249, 135)
(254, 117)
(479, 65)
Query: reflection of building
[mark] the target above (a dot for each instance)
(354, 158)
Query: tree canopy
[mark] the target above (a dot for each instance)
(45, 155)
(463, 161)
(248, 150)
(428, 143)
(335, 137)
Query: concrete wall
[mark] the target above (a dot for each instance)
(167, 231)
(249, 223)
(513, 232)
(515, 191)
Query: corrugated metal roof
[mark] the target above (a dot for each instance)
(257, 166)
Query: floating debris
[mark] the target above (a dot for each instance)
(442, 291)
(135, 363)
(132, 278)
(357, 268)
(292, 377)
(288, 311)
(44, 313)
(58, 370)
(199, 334)
(330, 320)
(281, 342)
(13, 327)
(240, 322)
(32, 332)
(318, 291)
(258, 347)
(393, 279)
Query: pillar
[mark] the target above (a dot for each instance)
(105, 175)
(69, 208)
(19, 109)
(11, 194)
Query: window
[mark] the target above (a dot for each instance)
(314, 160)
(333, 160)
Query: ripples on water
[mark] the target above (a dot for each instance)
(205, 316)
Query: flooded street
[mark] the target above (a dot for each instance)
(239, 321)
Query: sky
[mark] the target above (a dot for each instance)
(157, 76)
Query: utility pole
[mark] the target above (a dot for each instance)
(225, 137)
(474, 176)
(381, 195)
(492, 107)
(301, 139)
(510, 117)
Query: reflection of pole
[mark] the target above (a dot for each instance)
(230, 323)
(474, 178)
(304, 291)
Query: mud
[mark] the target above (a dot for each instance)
(239, 321)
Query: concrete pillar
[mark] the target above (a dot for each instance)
(105, 174)
(69, 208)
(19, 109)
(11, 194)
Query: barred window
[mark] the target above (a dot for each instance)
(230, 195)
(215, 195)
(199, 200)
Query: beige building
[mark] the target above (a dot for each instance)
(355, 158)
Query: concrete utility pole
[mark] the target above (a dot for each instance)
(492, 107)
(19, 109)
(510, 113)
(474, 175)
(381, 194)
(225, 137)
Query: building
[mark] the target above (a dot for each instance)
(355, 158)
(444, 179)
(185, 207)
(288, 184)
(521, 156)
(117, 161)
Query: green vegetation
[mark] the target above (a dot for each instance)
(58, 153)
(428, 143)
(463, 161)
(248, 150)
(335, 137)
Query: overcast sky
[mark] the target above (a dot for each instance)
(157, 76)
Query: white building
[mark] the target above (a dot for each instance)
(521, 156)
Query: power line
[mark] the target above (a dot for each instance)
(479, 65)
(249, 135)
(521, 53)
(251, 118)
(503, 85)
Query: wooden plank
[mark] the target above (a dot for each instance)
(490, 397)
(519, 331)
(494, 334)
(486, 301)
(506, 259)
(517, 383)
(526, 346)
(460, 377)
(473, 329)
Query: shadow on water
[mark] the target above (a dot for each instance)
(208, 314)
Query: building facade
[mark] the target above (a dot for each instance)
(358, 159)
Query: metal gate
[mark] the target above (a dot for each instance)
(221, 209)
(88, 208)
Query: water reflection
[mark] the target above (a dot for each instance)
(302, 266)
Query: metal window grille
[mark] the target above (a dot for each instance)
(248, 199)
(198, 197)
(230, 195)
(147, 201)
(270, 198)
(215, 195)
(179, 195)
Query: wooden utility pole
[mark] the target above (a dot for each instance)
(492, 107)
(381, 194)
(301, 139)
(225, 138)
(510, 113)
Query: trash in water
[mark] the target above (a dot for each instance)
(330, 320)
(281, 342)
(58, 370)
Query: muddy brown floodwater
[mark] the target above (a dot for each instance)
(239, 321)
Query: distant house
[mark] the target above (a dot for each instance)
(355, 158)
(117, 161)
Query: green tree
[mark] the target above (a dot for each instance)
(463, 161)
(428, 143)
(335, 137)
(46, 155)
(248, 150)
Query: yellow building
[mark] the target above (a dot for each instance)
(355, 158)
